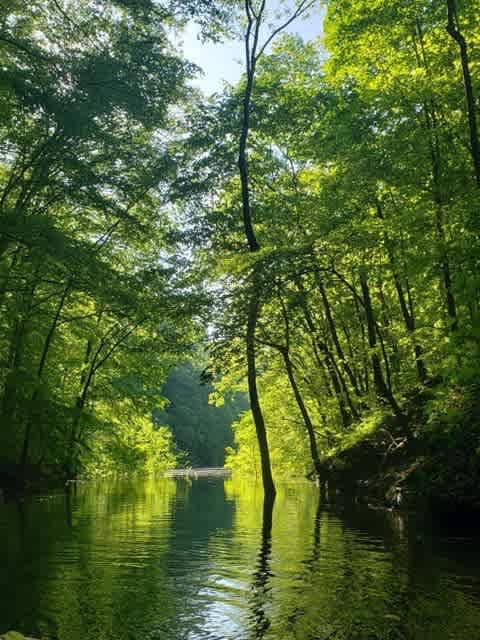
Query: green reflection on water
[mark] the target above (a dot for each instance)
(206, 559)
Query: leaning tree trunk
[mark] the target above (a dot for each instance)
(454, 31)
(305, 414)
(85, 382)
(383, 392)
(334, 334)
(328, 360)
(253, 246)
(41, 366)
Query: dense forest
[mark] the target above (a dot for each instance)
(200, 419)
(314, 228)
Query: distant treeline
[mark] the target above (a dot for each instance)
(201, 431)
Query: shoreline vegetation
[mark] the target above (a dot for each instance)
(304, 242)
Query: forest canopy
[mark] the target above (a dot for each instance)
(314, 226)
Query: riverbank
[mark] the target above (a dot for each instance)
(15, 479)
(430, 458)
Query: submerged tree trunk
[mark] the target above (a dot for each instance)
(259, 609)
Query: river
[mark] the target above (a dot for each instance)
(176, 559)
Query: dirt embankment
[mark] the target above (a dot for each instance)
(432, 457)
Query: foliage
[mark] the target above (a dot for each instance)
(364, 202)
(201, 431)
(128, 443)
(122, 234)
(96, 303)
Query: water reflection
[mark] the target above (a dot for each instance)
(210, 560)
(261, 587)
(306, 569)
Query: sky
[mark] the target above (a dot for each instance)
(224, 61)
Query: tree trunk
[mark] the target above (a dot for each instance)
(386, 361)
(430, 114)
(16, 351)
(454, 31)
(6, 277)
(328, 360)
(383, 392)
(361, 323)
(85, 381)
(9, 400)
(410, 324)
(253, 246)
(253, 311)
(445, 267)
(305, 415)
(439, 222)
(333, 332)
(348, 339)
(41, 367)
(407, 310)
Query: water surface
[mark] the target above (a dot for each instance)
(175, 559)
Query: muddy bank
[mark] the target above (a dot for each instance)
(427, 460)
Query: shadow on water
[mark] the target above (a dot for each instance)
(68, 505)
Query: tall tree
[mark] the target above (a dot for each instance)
(255, 14)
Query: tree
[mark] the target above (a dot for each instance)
(254, 49)
(363, 202)
(92, 288)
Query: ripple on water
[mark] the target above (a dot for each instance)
(170, 559)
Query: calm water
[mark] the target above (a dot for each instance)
(177, 560)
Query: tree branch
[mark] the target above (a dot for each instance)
(302, 8)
